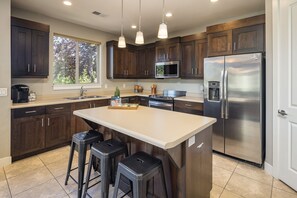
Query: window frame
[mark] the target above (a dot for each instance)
(76, 85)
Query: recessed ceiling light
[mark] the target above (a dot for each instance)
(67, 2)
(213, 1)
(168, 14)
(133, 26)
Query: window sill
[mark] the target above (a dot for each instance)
(75, 87)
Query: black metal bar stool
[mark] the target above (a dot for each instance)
(82, 140)
(139, 168)
(106, 152)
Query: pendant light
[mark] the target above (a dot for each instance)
(163, 33)
(139, 35)
(122, 42)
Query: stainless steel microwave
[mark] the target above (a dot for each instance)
(167, 69)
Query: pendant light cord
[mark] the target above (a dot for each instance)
(139, 15)
(122, 26)
(163, 12)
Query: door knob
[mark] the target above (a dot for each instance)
(282, 112)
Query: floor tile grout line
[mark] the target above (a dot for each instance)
(8, 186)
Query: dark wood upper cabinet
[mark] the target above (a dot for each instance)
(121, 62)
(220, 43)
(146, 61)
(237, 37)
(194, 50)
(168, 50)
(248, 39)
(29, 49)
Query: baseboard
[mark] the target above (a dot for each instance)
(268, 168)
(5, 161)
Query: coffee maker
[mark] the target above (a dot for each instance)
(20, 93)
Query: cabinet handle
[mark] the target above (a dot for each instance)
(94, 105)
(59, 108)
(200, 145)
(28, 112)
(196, 70)
(34, 68)
(234, 46)
(188, 105)
(28, 68)
(48, 121)
(90, 105)
(42, 122)
(127, 72)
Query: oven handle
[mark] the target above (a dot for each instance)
(159, 104)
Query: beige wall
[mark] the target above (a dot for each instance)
(5, 102)
(43, 87)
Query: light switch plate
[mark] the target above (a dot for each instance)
(3, 91)
(191, 141)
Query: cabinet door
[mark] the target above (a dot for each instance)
(220, 43)
(141, 63)
(200, 54)
(173, 52)
(80, 124)
(143, 101)
(40, 53)
(161, 54)
(188, 59)
(134, 99)
(119, 62)
(57, 129)
(27, 135)
(20, 51)
(248, 39)
(99, 103)
(150, 54)
(130, 63)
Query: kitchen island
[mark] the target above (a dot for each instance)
(182, 141)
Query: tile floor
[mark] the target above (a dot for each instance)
(43, 176)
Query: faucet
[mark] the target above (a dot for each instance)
(82, 91)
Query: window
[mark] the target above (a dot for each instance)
(76, 62)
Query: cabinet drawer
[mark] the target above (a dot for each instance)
(26, 112)
(188, 107)
(61, 108)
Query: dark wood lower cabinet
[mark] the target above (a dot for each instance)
(28, 135)
(188, 107)
(144, 101)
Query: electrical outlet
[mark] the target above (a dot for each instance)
(3, 91)
(124, 85)
(105, 86)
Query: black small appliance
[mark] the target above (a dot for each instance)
(20, 93)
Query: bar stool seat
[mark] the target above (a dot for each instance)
(81, 141)
(105, 151)
(139, 168)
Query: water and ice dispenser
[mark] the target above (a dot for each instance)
(214, 91)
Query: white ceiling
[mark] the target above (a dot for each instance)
(187, 14)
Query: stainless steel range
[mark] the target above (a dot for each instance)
(165, 100)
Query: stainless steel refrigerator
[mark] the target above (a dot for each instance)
(234, 94)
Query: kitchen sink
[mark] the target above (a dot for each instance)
(83, 97)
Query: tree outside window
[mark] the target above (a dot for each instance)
(75, 61)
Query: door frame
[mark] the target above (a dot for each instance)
(276, 80)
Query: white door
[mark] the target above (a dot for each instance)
(287, 92)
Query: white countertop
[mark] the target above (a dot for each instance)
(190, 99)
(161, 128)
(53, 101)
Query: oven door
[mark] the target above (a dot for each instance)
(161, 105)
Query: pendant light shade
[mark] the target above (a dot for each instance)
(139, 35)
(139, 38)
(122, 41)
(163, 33)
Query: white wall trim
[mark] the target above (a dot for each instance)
(268, 168)
(5, 161)
(276, 66)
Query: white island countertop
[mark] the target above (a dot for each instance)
(161, 128)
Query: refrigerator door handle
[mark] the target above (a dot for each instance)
(226, 94)
(222, 94)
